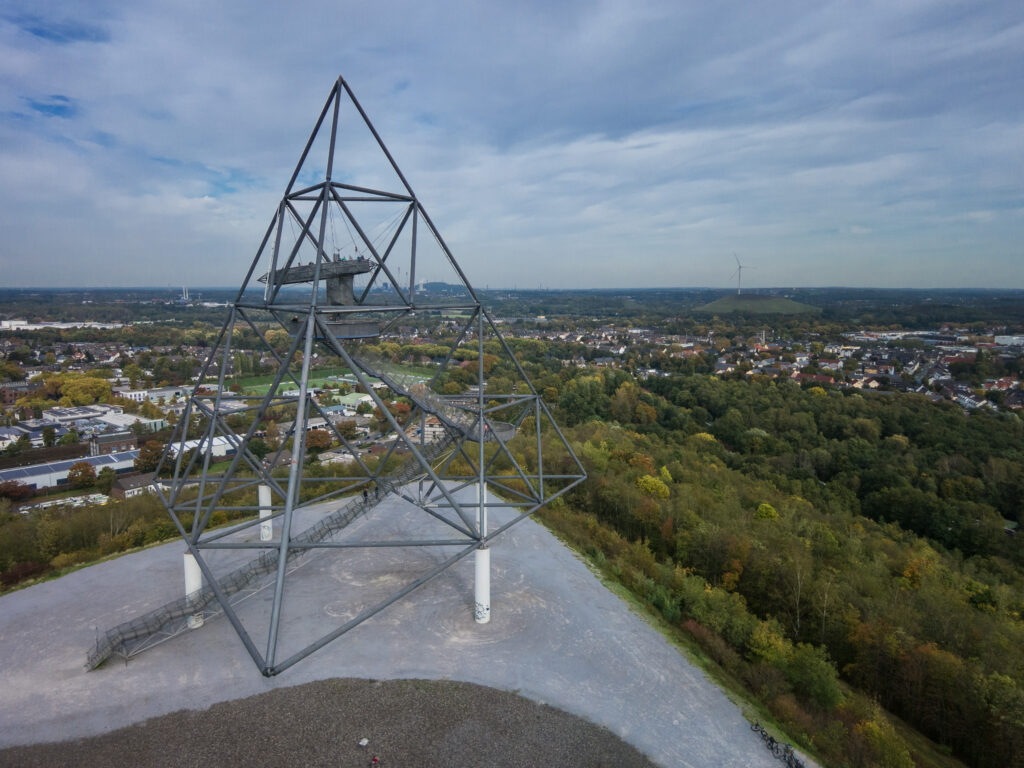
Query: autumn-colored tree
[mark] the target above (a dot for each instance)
(81, 475)
(149, 456)
(10, 371)
(273, 435)
(643, 462)
(84, 390)
(652, 486)
(645, 414)
(318, 440)
(14, 490)
(68, 389)
(278, 338)
(150, 410)
(129, 406)
(399, 410)
(624, 402)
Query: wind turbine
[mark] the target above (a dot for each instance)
(738, 274)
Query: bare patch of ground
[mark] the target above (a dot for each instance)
(407, 722)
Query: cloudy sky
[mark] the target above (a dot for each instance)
(588, 144)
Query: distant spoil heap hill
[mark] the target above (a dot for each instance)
(756, 304)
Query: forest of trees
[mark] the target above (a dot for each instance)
(809, 540)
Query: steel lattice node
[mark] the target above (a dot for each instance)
(337, 269)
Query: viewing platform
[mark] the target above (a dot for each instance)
(339, 275)
(329, 270)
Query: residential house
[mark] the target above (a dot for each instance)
(127, 486)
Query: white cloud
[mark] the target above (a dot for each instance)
(551, 144)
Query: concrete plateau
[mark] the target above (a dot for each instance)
(556, 635)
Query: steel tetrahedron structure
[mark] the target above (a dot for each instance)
(349, 256)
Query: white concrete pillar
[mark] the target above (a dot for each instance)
(482, 561)
(193, 583)
(482, 589)
(267, 525)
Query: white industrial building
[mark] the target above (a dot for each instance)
(167, 394)
(54, 474)
(221, 447)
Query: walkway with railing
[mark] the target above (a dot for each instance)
(416, 389)
(451, 417)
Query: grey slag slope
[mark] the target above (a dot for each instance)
(557, 635)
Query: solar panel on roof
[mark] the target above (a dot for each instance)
(18, 473)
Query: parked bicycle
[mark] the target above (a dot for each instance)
(782, 751)
(790, 759)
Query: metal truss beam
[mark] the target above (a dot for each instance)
(498, 425)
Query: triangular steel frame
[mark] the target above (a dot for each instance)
(477, 429)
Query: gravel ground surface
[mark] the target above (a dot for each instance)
(407, 722)
(557, 636)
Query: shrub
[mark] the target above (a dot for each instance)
(889, 749)
(160, 530)
(22, 571)
(661, 599)
(726, 613)
(714, 645)
(652, 486)
(14, 490)
(67, 559)
(766, 681)
(798, 721)
(768, 644)
(813, 675)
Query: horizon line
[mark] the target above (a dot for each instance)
(622, 289)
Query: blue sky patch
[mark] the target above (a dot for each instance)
(53, 105)
(221, 181)
(62, 32)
